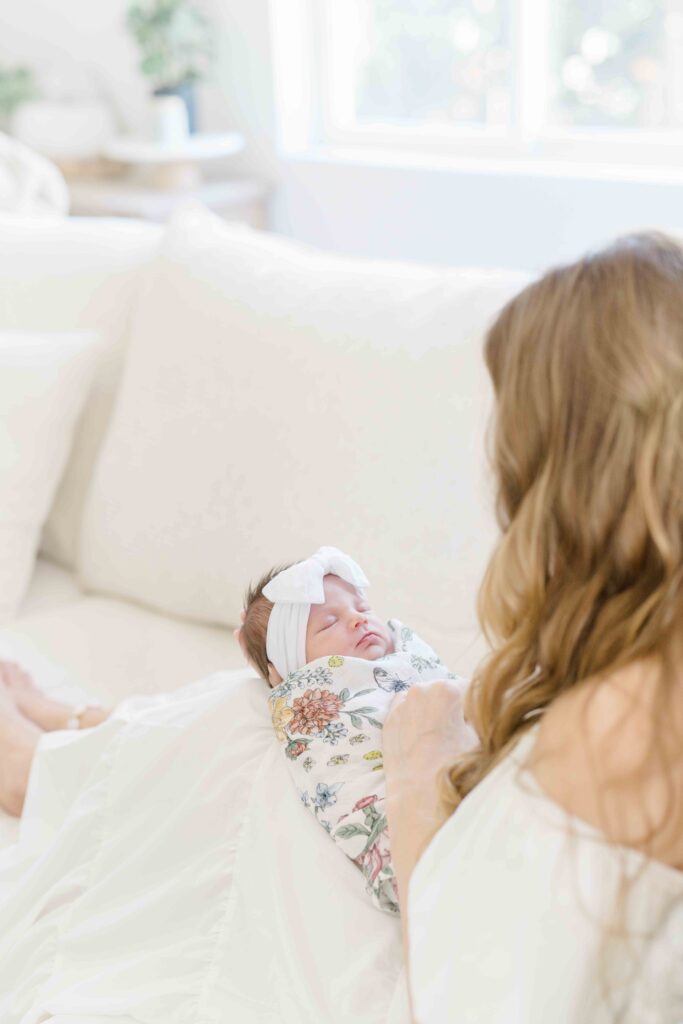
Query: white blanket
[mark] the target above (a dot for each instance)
(161, 877)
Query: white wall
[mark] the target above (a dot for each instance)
(459, 216)
(465, 216)
(242, 96)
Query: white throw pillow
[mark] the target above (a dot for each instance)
(276, 398)
(75, 274)
(44, 379)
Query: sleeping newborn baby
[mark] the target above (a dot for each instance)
(335, 668)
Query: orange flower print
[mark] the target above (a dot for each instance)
(313, 710)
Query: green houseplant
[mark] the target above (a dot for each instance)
(16, 86)
(175, 40)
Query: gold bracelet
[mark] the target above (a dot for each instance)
(74, 721)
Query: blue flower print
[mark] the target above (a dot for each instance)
(333, 732)
(325, 796)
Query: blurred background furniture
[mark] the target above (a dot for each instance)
(30, 185)
(490, 132)
(234, 199)
(139, 159)
(160, 175)
(175, 162)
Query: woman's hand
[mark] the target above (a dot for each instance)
(423, 733)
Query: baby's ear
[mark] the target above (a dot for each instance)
(274, 677)
(239, 637)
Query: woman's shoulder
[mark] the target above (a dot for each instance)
(510, 862)
(572, 777)
(608, 755)
(512, 830)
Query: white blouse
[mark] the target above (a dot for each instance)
(507, 908)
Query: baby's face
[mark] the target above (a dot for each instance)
(345, 625)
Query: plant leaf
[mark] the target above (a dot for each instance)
(348, 831)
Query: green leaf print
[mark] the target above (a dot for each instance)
(344, 694)
(349, 831)
(421, 663)
(357, 722)
(375, 832)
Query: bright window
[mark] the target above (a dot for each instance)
(406, 62)
(570, 79)
(614, 65)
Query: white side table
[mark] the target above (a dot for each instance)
(235, 199)
(172, 165)
(161, 175)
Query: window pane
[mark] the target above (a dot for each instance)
(614, 63)
(434, 62)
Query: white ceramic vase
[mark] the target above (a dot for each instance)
(168, 119)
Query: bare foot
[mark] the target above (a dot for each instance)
(32, 702)
(18, 741)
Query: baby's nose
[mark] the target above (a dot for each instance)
(358, 620)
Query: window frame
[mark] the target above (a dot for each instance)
(307, 121)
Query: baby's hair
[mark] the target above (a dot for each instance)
(255, 626)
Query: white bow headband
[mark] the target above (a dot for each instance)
(292, 592)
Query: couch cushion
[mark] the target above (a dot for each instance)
(113, 649)
(62, 275)
(275, 399)
(50, 586)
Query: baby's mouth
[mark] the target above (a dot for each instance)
(369, 637)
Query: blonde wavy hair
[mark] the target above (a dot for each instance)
(586, 444)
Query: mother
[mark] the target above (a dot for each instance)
(542, 873)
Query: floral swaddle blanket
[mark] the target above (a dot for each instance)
(328, 716)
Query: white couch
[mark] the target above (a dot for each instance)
(253, 399)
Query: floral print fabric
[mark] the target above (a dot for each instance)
(328, 716)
